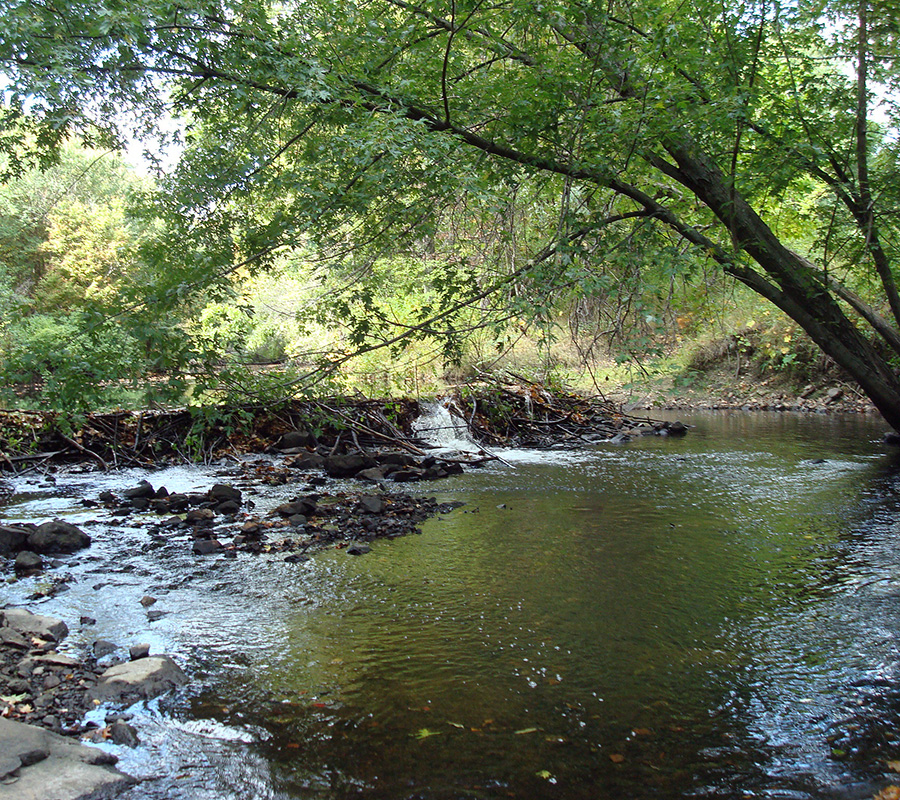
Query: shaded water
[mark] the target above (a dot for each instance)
(713, 616)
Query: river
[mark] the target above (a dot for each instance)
(710, 616)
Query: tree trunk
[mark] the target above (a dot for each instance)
(792, 285)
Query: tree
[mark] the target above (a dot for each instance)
(330, 122)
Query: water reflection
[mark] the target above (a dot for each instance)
(708, 616)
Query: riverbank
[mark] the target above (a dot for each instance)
(720, 390)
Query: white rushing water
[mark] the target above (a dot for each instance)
(445, 429)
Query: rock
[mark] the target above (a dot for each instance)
(52, 766)
(294, 439)
(407, 475)
(306, 461)
(58, 536)
(143, 489)
(371, 504)
(139, 651)
(228, 507)
(11, 638)
(147, 600)
(357, 549)
(221, 492)
(57, 660)
(122, 733)
(155, 614)
(891, 437)
(12, 539)
(298, 520)
(87, 621)
(677, 428)
(145, 678)
(395, 460)
(347, 466)
(373, 474)
(833, 395)
(199, 516)
(305, 506)
(29, 624)
(28, 563)
(296, 558)
(102, 648)
(205, 547)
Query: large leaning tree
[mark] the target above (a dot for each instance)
(338, 120)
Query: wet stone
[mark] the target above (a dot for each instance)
(58, 536)
(102, 647)
(139, 651)
(371, 504)
(205, 547)
(142, 490)
(28, 563)
(124, 734)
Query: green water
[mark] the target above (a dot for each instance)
(671, 618)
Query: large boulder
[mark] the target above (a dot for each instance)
(28, 624)
(58, 536)
(143, 679)
(36, 764)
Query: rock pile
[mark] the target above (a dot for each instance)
(42, 686)
(28, 543)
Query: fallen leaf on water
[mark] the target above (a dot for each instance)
(545, 774)
(641, 731)
(888, 793)
(293, 745)
(457, 725)
(616, 758)
(424, 733)
(526, 730)
(894, 765)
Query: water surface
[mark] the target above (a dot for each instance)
(713, 616)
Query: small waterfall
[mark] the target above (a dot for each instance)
(443, 429)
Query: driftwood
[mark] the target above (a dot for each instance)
(521, 413)
(524, 413)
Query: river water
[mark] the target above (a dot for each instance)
(713, 616)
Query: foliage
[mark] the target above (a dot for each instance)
(521, 156)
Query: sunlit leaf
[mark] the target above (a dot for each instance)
(424, 733)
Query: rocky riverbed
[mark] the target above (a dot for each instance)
(47, 688)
